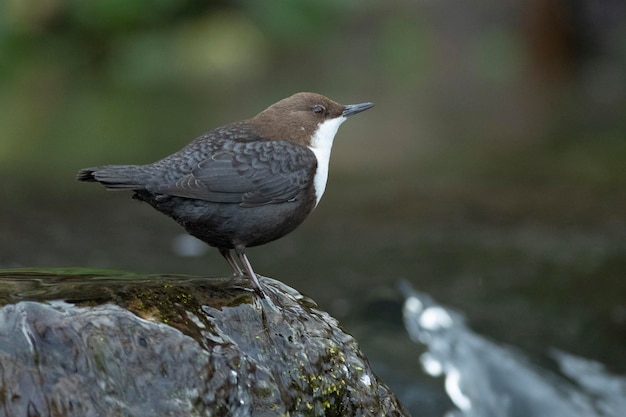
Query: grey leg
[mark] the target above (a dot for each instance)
(246, 265)
(231, 261)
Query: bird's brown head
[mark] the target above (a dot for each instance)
(299, 117)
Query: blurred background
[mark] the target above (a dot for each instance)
(491, 173)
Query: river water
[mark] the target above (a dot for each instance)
(534, 297)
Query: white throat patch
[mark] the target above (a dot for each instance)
(321, 145)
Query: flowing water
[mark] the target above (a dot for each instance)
(537, 296)
(485, 379)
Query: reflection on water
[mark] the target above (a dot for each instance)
(484, 379)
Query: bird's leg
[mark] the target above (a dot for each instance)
(231, 261)
(246, 265)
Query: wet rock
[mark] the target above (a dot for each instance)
(89, 343)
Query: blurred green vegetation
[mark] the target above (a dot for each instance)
(460, 90)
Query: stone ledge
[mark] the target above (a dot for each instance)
(76, 342)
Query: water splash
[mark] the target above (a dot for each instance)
(484, 379)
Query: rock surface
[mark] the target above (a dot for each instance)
(93, 343)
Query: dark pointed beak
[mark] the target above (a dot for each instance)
(352, 109)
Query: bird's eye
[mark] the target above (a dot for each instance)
(319, 109)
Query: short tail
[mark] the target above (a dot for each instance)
(116, 177)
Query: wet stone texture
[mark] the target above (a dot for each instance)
(88, 343)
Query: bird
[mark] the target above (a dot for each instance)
(243, 184)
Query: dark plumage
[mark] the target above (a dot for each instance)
(243, 184)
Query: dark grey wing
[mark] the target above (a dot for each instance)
(248, 173)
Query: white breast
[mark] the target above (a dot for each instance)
(321, 145)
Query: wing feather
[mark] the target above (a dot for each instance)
(248, 173)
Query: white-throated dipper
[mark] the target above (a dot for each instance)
(244, 184)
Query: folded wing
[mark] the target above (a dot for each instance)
(248, 173)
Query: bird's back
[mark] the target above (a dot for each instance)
(171, 168)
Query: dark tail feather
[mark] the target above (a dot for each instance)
(116, 177)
